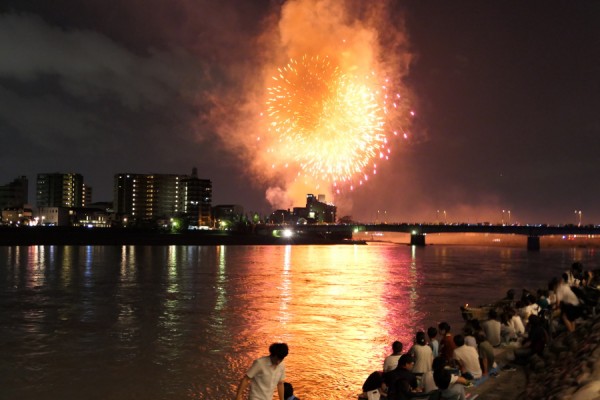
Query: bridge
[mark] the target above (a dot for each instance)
(418, 232)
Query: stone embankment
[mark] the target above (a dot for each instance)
(570, 366)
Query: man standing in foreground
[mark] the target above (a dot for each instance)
(265, 374)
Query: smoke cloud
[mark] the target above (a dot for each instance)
(359, 38)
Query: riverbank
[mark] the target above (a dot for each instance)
(28, 236)
(569, 369)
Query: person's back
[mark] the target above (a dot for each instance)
(401, 382)
(433, 342)
(391, 362)
(467, 357)
(516, 322)
(492, 328)
(265, 375)
(447, 345)
(422, 354)
(443, 378)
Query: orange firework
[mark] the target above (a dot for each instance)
(329, 123)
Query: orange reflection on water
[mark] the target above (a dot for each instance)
(338, 307)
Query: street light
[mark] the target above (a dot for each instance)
(508, 217)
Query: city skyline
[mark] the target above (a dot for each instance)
(505, 98)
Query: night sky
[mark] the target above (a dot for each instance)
(506, 96)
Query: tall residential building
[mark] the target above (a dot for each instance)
(15, 193)
(156, 196)
(197, 199)
(59, 190)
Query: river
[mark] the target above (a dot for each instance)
(185, 322)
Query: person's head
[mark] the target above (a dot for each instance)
(406, 361)
(444, 328)
(441, 377)
(278, 351)
(510, 294)
(468, 330)
(439, 363)
(492, 314)
(432, 332)
(397, 347)
(288, 390)
(459, 340)
(420, 338)
(565, 277)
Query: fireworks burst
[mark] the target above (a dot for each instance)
(331, 124)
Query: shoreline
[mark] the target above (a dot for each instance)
(80, 236)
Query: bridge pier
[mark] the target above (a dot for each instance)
(533, 243)
(417, 239)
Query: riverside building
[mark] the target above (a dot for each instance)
(157, 198)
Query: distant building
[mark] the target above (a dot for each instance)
(15, 193)
(54, 216)
(87, 196)
(153, 197)
(197, 199)
(17, 216)
(225, 215)
(316, 211)
(282, 217)
(91, 217)
(60, 190)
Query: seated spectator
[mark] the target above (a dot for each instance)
(433, 342)
(467, 358)
(492, 330)
(401, 382)
(508, 301)
(428, 381)
(567, 301)
(516, 322)
(470, 336)
(373, 382)
(391, 361)
(575, 275)
(536, 341)
(288, 391)
(487, 357)
(542, 299)
(454, 391)
(422, 354)
(507, 332)
(447, 345)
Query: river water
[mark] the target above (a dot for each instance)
(185, 322)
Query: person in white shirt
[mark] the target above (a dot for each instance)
(391, 361)
(422, 354)
(492, 328)
(265, 374)
(567, 301)
(467, 358)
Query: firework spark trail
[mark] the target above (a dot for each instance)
(330, 124)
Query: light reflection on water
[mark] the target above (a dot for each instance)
(178, 322)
